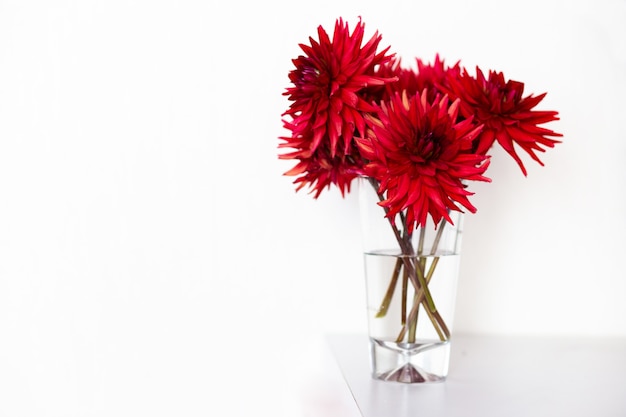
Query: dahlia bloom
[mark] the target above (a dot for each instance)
(320, 170)
(431, 77)
(421, 155)
(435, 77)
(327, 107)
(326, 81)
(507, 116)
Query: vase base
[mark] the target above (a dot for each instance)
(409, 374)
(410, 363)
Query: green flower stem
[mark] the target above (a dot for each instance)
(424, 287)
(384, 305)
(420, 242)
(391, 288)
(442, 324)
(431, 270)
(434, 316)
(433, 250)
(405, 289)
(413, 322)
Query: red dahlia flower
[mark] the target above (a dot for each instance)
(436, 76)
(320, 170)
(421, 155)
(326, 82)
(507, 116)
(431, 77)
(328, 105)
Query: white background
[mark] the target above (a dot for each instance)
(150, 248)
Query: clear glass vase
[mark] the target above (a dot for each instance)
(411, 280)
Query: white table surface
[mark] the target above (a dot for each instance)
(498, 376)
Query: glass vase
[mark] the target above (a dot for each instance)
(411, 280)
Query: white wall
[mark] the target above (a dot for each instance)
(145, 227)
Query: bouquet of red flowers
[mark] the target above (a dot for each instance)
(418, 135)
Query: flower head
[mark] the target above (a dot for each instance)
(506, 114)
(321, 170)
(327, 106)
(433, 78)
(421, 155)
(436, 76)
(326, 82)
